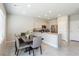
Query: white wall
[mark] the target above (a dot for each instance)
(18, 24)
(74, 27)
(53, 21)
(63, 27)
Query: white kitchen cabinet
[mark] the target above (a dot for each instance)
(49, 38)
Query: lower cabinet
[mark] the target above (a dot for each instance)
(49, 38)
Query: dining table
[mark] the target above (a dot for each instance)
(29, 41)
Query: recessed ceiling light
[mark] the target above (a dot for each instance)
(29, 5)
(50, 11)
(39, 16)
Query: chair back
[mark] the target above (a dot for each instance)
(37, 41)
(17, 42)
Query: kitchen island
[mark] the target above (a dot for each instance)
(51, 39)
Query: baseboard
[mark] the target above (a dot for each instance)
(74, 40)
(10, 41)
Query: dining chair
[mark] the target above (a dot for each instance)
(37, 41)
(19, 46)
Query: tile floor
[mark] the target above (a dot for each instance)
(71, 50)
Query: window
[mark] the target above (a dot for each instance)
(2, 27)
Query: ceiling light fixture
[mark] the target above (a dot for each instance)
(39, 16)
(50, 11)
(28, 5)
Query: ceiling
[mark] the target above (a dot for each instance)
(42, 10)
